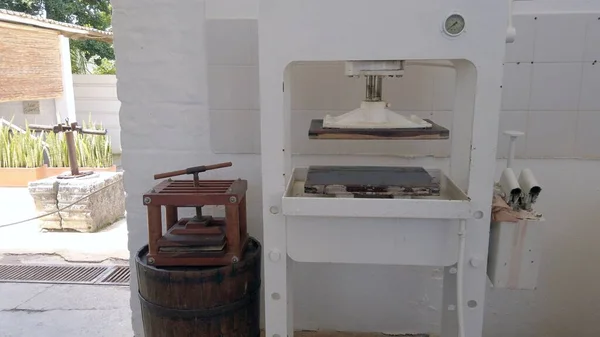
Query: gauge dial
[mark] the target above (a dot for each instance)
(454, 25)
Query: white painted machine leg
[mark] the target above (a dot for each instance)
(475, 276)
(449, 313)
(475, 282)
(290, 298)
(277, 277)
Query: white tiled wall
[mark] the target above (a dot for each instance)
(232, 57)
(551, 85)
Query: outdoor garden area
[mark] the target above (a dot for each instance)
(45, 208)
(27, 155)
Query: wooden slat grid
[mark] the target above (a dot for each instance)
(205, 187)
(30, 64)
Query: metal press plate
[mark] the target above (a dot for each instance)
(370, 181)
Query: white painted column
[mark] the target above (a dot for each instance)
(65, 105)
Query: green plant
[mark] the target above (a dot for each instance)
(79, 64)
(20, 150)
(91, 150)
(107, 67)
(57, 150)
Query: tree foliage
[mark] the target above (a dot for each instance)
(106, 68)
(89, 13)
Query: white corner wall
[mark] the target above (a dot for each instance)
(190, 101)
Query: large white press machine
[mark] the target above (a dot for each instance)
(396, 215)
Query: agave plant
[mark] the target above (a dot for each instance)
(91, 150)
(57, 150)
(20, 149)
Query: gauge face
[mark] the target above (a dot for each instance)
(454, 25)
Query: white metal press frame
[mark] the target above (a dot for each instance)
(393, 231)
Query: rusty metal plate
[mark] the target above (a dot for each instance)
(370, 181)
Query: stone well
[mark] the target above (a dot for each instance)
(102, 208)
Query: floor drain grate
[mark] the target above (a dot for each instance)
(64, 274)
(118, 275)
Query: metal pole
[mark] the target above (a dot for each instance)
(198, 208)
(370, 84)
(374, 88)
(512, 146)
(70, 137)
(72, 152)
(378, 88)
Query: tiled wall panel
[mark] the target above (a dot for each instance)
(551, 78)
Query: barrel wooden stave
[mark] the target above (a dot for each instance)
(207, 302)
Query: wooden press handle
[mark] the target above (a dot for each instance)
(192, 170)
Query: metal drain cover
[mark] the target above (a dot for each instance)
(118, 275)
(65, 274)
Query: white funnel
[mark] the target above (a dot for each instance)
(374, 115)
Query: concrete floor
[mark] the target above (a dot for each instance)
(48, 310)
(55, 310)
(26, 238)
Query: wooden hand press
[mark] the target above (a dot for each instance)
(200, 240)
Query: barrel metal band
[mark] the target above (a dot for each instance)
(200, 313)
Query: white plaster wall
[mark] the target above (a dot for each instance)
(96, 96)
(14, 111)
(184, 104)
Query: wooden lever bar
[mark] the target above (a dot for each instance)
(192, 170)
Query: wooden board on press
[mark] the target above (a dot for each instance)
(206, 245)
(173, 240)
(317, 131)
(212, 250)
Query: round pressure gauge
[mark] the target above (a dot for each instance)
(454, 25)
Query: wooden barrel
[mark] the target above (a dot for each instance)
(201, 301)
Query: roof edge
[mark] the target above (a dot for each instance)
(67, 29)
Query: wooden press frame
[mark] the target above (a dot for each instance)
(236, 232)
(411, 30)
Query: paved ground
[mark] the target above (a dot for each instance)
(16, 204)
(46, 310)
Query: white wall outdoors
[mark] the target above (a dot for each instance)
(95, 96)
(14, 110)
(189, 93)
